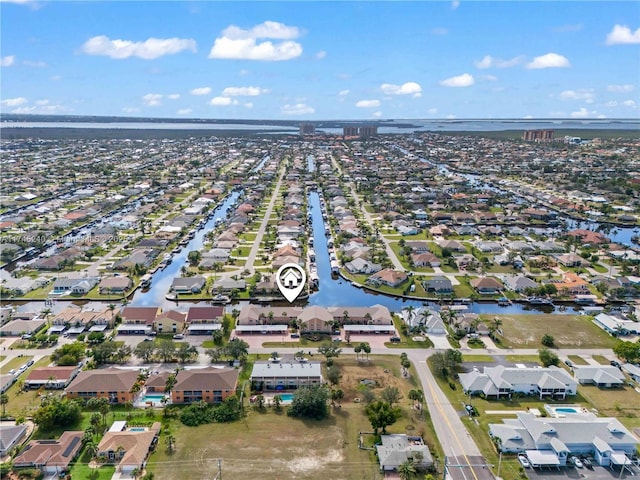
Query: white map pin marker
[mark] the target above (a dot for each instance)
(290, 280)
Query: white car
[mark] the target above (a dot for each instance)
(524, 461)
(576, 461)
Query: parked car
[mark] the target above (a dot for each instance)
(178, 336)
(568, 363)
(576, 461)
(613, 363)
(587, 463)
(524, 461)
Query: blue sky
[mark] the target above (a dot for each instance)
(322, 60)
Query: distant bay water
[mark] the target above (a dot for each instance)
(335, 127)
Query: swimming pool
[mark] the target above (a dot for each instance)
(138, 429)
(153, 399)
(286, 397)
(559, 411)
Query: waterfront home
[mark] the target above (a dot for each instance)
(438, 284)
(388, 277)
(519, 283)
(188, 284)
(115, 285)
(361, 266)
(486, 285)
(74, 286)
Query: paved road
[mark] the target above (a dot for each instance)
(263, 226)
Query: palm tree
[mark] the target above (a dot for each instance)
(407, 470)
(4, 399)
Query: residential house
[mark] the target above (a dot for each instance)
(281, 376)
(137, 320)
(316, 320)
(632, 370)
(397, 449)
(128, 449)
(17, 327)
(169, 321)
(571, 260)
(427, 259)
(157, 382)
(114, 384)
(616, 326)
(388, 277)
(188, 284)
(438, 284)
(10, 437)
(362, 266)
(500, 381)
(228, 285)
(204, 320)
(549, 441)
(51, 456)
(452, 245)
(571, 284)
(211, 385)
(115, 285)
(486, 285)
(51, 377)
(519, 283)
(74, 286)
(604, 376)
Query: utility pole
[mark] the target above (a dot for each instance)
(219, 477)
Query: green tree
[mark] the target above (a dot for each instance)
(166, 349)
(104, 352)
(329, 350)
(237, 349)
(309, 402)
(215, 354)
(194, 257)
(628, 351)
(333, 375)
(336, 395)
(57, 413)
(547, 357)
(381, 415)
(407, 470)
(186, 352)
(548, 340)
(4, 399)
(390, 395)
(69, 354)
(416, 396)
(144, 351)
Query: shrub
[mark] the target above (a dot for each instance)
(452, 385)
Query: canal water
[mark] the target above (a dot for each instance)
(162, 279)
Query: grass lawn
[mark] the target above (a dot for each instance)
(615, 402)
(477, 358)
(81, 470)
(15, 363)
(523, 358)
(602, 360)
(569, 331)
(272, 445)
(577, 360)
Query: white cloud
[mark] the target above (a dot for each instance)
(7, 61)
(184, 111)
(243, 72)
(130, 109)
(43, 102)
(432, 111)
(368, 103)
(569, 28)
(152, 99)
(629, 103)
(611, 104)
(297, 109)
(490, 78)
(621, 34)
(439, 31)
(222, 101)
(237, 43)
(35, 64)
(248, 105)
(45, 108)
(492, 62)
(408, 88)
(149, 49)
(13, 102)
(201, 91)
(321, 54)
(464, 80)
(549, 60)
(173, 96)
(621, 88)
(243, 91)
(583, 113)
(455, 4)
(377, 114)
(581, 94)
(343, 93)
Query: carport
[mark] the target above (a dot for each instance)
(543, 458)
(620, 459)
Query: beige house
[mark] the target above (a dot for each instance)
(128, 449)
(170, 322)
